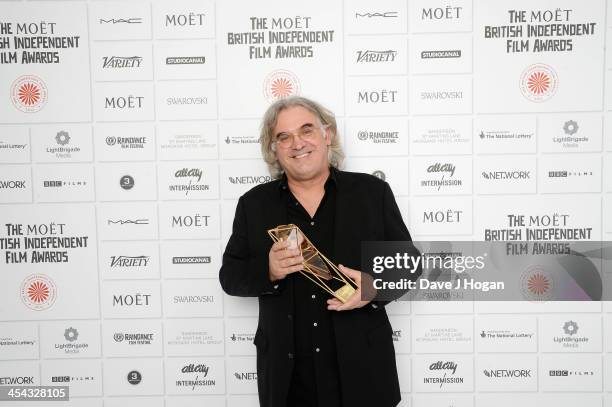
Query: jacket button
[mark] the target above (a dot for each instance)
(290, 355)
(290, 317)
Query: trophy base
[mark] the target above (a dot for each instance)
(344, 293)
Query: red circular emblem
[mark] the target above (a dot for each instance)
(38, 292)
(280, 84)
(536, 284)
(538, 82)
(29, 93)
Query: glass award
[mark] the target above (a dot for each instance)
(318, 268)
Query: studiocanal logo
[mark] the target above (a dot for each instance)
(280, 83)
(29, 93)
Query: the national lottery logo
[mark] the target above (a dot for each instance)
(29, 93)
(279, 84)
(538, 82)
(38, 292)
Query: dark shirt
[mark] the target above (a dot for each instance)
(315, 380)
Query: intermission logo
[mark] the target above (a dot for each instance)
(376, 56)
(445, 173)
(538, 83)
(192, 177)
(379, 137)
(448, 371)
(29, 93)
(126, 142)
(121, 62)
(196, 376)
(130, 338)
(280, 83)
(38, 292)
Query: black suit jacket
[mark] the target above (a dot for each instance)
(365, 211)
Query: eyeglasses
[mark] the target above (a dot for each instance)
(305, 133)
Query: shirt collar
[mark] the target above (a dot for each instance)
(331, 180)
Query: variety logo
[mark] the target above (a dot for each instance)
(191, 260)
(129, 261)
(121, 62)
(126, 142)
(185, 60)
(279, 84)
(38, 292)
(131, 20)
(538, 83)
(126, 182)
(384, 14)
(134, 377)
(454, 53)
(29, 93)
(376, 56)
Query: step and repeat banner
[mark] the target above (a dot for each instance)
(128, 130)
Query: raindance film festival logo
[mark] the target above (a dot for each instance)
(280, 84)
(133, 338)
(29, 93)
(536, 284)
(538, 82)
(38, 292)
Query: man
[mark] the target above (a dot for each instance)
(313, 350)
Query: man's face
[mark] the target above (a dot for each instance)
(302, 157)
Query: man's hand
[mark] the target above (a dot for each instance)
(355, 300)
(283, 261)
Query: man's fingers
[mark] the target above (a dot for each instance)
(280, 245)
(285, 254)
(354, 274)
(292, 261)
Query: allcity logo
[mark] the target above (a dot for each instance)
(376, 56)
(446, 170)
(126, 142)
(193, 176)
(377, 14)
(129, 20)
(121, 62)
(129, 261)
(200, 371)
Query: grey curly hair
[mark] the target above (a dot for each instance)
(335, 155)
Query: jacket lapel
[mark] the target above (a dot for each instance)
(345, 222)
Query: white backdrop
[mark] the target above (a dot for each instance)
(128, 130)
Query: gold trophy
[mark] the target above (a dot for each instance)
(318, 268)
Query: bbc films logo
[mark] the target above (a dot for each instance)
(538, 83)
(279, 84)
(38, 292)
(29, 93)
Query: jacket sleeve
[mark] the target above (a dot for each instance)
(395, 230)
(242, 272)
